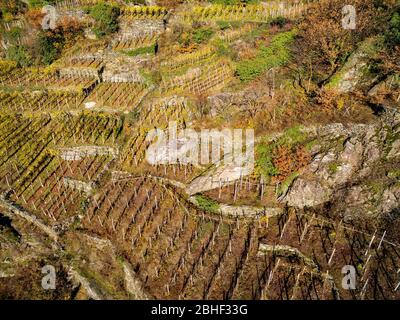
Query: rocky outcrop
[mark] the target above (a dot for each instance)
(286, 251)
(356, 73)
(306, 193)
(221, 101)
(233, 166)
(390, 83)
(348, 170)
(223, 173)
(354, 167)
(90, 290)
(395, 150)
(78, 185)
(132, 285)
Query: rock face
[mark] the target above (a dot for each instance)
(78, 185)
(307, 194)
(356, 72)
(132, 285)
(395, 151)
(219, 101)
(392, 83)
(354, 168)
(390, 199)
(225, 172)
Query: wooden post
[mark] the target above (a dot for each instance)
(262, 187)
(364, 289)
(370, 243)
(331, 257)
(380, 242)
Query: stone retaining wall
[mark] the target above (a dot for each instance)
(77, 153)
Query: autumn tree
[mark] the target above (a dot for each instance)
(52, 42)
(323, 44)
(35, 17)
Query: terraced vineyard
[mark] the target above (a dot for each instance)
(147, 12)
(189, 58)
(134, 43)
(45, 80)
(199, 81)
(322, 192)
(45, 101)
(255, 13)
(117, 96)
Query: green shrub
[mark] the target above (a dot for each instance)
(278, 21)
(14, 34)
(207, 204)
(285, 185)
(151, 77)
(40, 3)
(292, 136)
(223, 25)
(20, 55)
(392, 36)
(275, 55)
(223, 49)
(50, 46)
(394, 174)
(333, 167)
(198, 36)
(202, 35)
(143, 50)
(133, 116)
(264, 160)
(106, 17)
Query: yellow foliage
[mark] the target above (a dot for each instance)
(340, 104)
(264, 219)
(6, 66)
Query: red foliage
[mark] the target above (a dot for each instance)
(288, 160)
